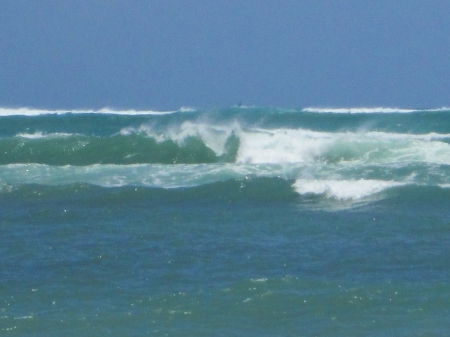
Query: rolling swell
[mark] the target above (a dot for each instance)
(118, 149)
(234, 190)
(230, 191)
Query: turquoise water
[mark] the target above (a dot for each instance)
(232, 222)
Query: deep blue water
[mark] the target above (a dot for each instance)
(234, 222)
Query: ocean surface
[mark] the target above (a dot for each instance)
(241, 221)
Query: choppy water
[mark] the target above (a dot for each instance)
(231, 222)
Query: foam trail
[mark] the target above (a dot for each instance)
(111, 175)
(343, 189)
(40, 135)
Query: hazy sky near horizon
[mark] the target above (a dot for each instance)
(163, 55)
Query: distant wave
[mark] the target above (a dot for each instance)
(40, 135)
(369, 110)
(26, 111)
(107, 111)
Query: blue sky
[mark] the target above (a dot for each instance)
(167, 54)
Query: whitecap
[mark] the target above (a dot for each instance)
(369, 110)
(39, 135)
(24, 111)
(343, 189)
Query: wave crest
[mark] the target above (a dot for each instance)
(4, 112)
(368, 110)
(343, 189)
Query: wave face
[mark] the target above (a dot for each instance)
(339, 154)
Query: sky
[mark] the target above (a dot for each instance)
(167, 54)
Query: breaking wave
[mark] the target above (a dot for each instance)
(345, 155)
(197, 143)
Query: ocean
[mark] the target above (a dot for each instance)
(242, 221)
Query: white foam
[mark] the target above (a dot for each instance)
(128, 112)
(39, 135)
(38, 112)
(367, 110)
(335, 183)
(401, 148)
(149, 175)
(281, 146)
(304, 146)
(407, 136)
(343, 189)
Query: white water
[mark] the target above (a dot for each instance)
(40, 135)
(272, 146)
(304, 146)
(343, 189)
